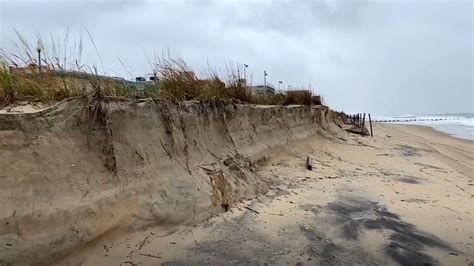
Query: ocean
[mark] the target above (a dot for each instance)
(457, 125)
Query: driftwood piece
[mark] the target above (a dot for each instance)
(150, 255)
(309, 165)
(250, 209)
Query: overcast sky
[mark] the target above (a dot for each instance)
(383, 57)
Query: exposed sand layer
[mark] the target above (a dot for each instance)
(402, 197)
(23, 107)
(73, 174)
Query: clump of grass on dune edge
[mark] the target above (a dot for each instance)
(35, 88)
(61, 75)
(21, 80)
(178, 82)
(6, 86)
(303, 96)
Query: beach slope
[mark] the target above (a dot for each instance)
(402, 197)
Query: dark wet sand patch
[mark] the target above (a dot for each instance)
(409, 179)
(329, 253)
(407, 243)
(409, 151)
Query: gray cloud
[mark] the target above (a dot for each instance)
(373, 56)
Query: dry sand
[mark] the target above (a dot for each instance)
(404, 196)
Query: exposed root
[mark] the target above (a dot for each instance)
(95, 119)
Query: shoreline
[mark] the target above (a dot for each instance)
(457, 152)
(456, 130)
(436, 131)
(458, 134)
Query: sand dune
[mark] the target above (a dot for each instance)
(76, 171)
(154, 183)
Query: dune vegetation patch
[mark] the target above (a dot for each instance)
(58, 75)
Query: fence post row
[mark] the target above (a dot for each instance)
(359, 120)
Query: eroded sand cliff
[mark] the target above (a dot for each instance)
(75, 171)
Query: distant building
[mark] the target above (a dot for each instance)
(299, 92)
(31, 68)
(263, 90)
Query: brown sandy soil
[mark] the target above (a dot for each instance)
(402, 197)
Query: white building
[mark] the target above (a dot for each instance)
(263, 90)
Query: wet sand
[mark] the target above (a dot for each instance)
(404, 196)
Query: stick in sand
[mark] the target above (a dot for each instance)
(309, 165)
(250, 209)
(370, 122)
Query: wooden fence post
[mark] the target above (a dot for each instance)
(362, 124)
(363, 121)
(370, 122)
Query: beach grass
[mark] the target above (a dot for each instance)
(61, 77)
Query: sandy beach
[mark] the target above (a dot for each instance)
(402, 197)
(151, 132)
